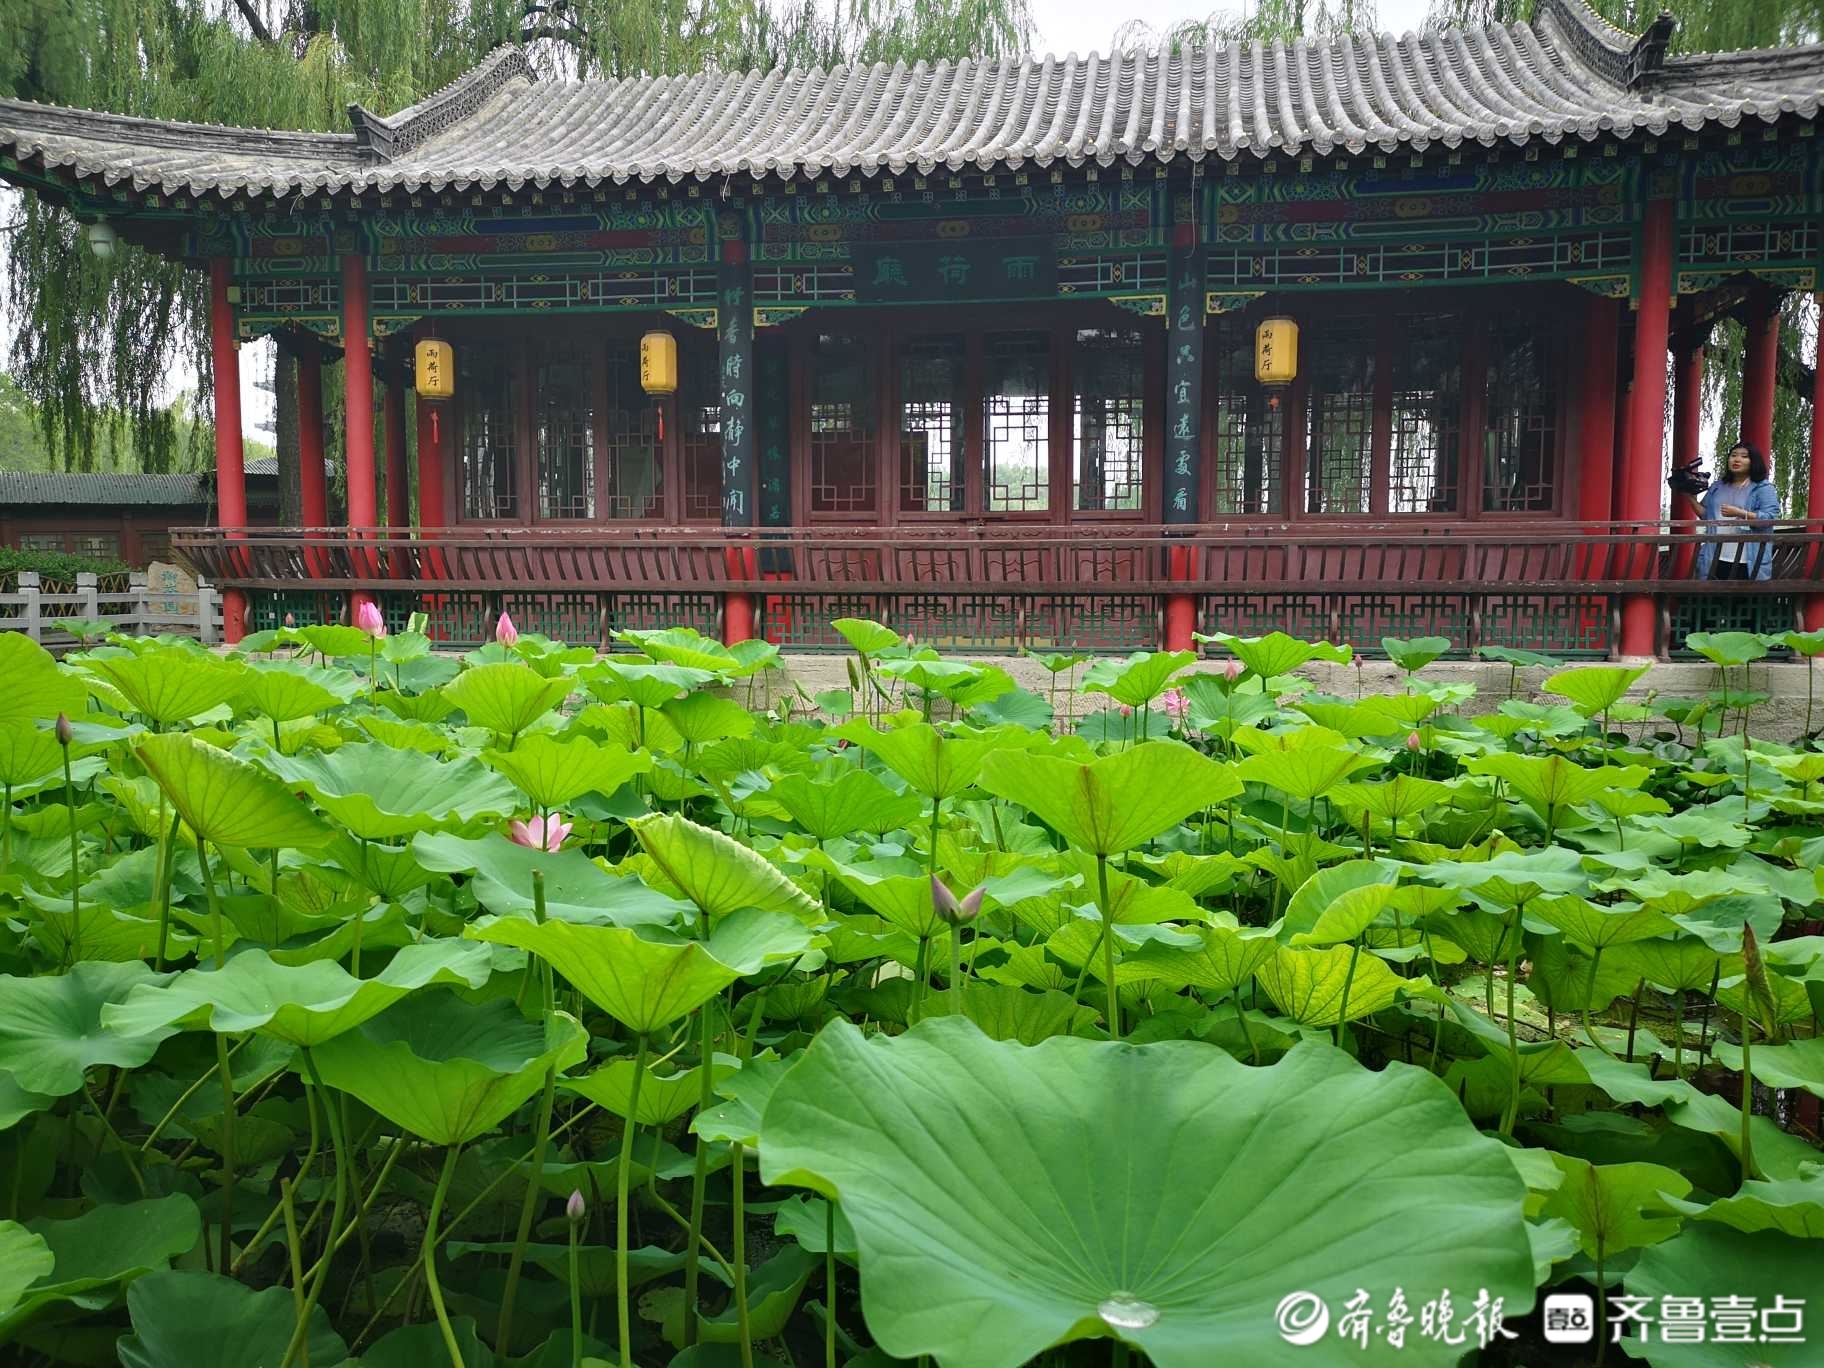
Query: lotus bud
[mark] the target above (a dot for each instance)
(1231, 669)
(952, 912)
(854, 679)
(368, 619)
(1413, 742)
(64, 731)
(505, 632)
(575, 1209)
(290, 621)
(1755, 970)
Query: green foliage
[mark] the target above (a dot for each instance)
(330, 981)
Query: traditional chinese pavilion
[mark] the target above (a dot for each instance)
(970, 347)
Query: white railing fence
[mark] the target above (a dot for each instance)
(141, 610)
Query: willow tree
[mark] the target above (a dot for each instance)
(93, 340)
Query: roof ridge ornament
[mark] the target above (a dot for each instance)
(1623, 58)
(383, 137)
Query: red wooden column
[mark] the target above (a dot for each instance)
(1814, 488)
(1760, 369)
(1687, 433)
(358, 407)
(1643, 464)
(313, 487)
(398, 485)
(1596, 427)
(432, 484)
(230, 465)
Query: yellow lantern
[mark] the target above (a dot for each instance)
(659, 363)
(1276, 351)
(435, 365)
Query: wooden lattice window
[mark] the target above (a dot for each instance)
(563, 430)
(1108, 370)
(700, 423)
(490, 477)
(843, 426)
(933, 395)
(630, 428)
(1339, 421)
(1424, 449)
(1016, 422)
(1520, 437)
(1247, 433)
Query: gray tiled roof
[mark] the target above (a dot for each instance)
(32, 487)
(1565, 75)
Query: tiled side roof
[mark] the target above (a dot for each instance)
(31, 487)
(1566, 75)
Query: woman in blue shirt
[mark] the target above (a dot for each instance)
(1744, 496)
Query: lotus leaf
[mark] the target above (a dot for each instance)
(576, 887)
(203, 1320)
(100, 1250)
(1140, 1209)
(1278, 654)
(646, 686)
(937, 766)
(226, 800)
(381, 794)
(868, 638)
(171, 685)
(1117, 802)
(448, 1070)
(305, 1004)
(1793, 1206)
(663, 1097)
(1310, 985)
(51, 1029)
(1711, 1261)
(505, 699)
(852, 800)
(553, 773)
(717, 873)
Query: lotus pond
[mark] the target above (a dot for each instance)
(364, 1004)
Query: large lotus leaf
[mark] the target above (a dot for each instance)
(1305, 772)
(683, 646)
(869, 638)
(1594, 688)
(1279, 654)
(1011, 1012)
(28, 753)
(1308, 985)
(773, 1290)
(1777, 1154)
(335, 640)
(17, 1103)
(24, 1258)
(305, 1004)
(51, 1027)
(226, 800)
(643, 984)
(37, 688)
(903, 900)
(1685, 964)
(380, 794)
(553, 773)
(664, 1097)
(1551, 783)
(1226, 960)
(1164, 1194)
(1797, 1065)
(1349, 914)
(95, 1252)
(1114, 803)
(448, 1070)
(576, 887)
(745, 1093)
(647, 686)
(1394, 800)
(286, 690)
(1595, 928)
(1711, 1262)
(716, 872)
(701, 718)
(170, 684)
(1792, 1206)
(203, 1320)
(505, 698)
(856, 800)
(1615, 1207)
(935, 765)
(1139, 679)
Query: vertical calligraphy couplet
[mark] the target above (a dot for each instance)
(735, 332)
(1183, 374)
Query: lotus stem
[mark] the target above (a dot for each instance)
(1513, 1034)
(699, 1179)
(1342, 1019)
(738, 1168)
(1747, 1095)
(6, 827)
(167, 858)
(338, 1143)
(1589, 990)
(1108, 946)
(503, 1332)
(576, 1299)
(73, 944)
(623, 1310)
(292, 1249)
(956, 971)
(430, 1254)
(1247, 1031)
(1678, 1034)
(829, 1282)
(1634, 1017)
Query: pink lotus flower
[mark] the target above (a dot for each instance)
(1413, 743)
(368, 619)
(1176, 705)
(1127, 710)
(1230, 669)
(505, 632)
(540, 834)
